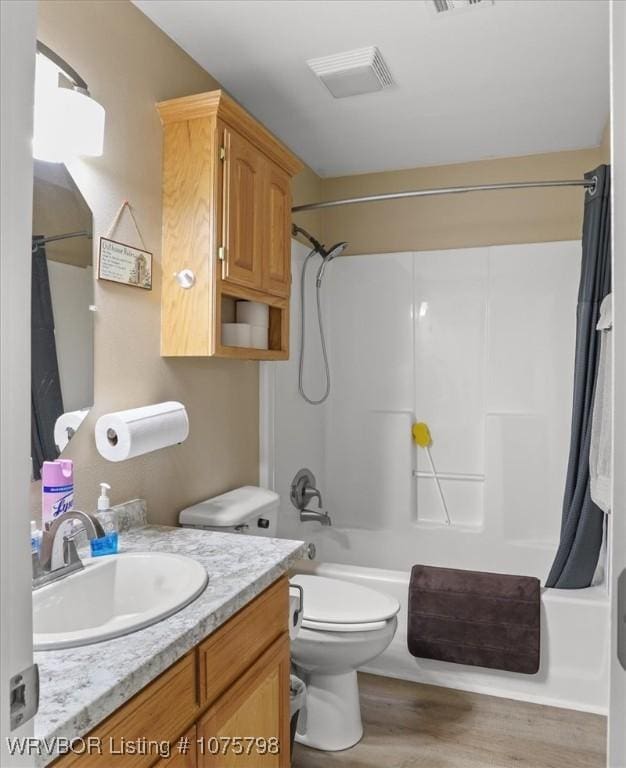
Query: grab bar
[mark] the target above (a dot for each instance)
(450, 476)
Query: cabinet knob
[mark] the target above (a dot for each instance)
(185, 278)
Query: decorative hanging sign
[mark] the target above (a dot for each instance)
(123, 263)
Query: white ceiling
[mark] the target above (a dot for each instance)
(520, 77)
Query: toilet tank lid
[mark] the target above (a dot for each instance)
(232, 508)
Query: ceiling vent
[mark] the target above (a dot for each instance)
(353, 72)
(457, 5)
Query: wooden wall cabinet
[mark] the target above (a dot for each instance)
(226, 701)
(226, 225)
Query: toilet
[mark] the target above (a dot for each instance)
(344, 625)
(249, 509)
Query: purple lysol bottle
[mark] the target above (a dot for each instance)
(57, 489)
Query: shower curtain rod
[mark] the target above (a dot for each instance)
(589, 184)
(53, 238)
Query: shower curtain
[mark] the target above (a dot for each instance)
(582, 521)
(46, 398)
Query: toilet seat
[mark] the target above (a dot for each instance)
(328, 626)
(334, 605)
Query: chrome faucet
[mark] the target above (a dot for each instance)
(303, 491)
(58, 556)
(315, 515)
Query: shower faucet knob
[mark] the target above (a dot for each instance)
(303, 489)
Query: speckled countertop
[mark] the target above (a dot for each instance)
(81, 686)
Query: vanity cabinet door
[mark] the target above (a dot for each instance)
(184, 752)
(243, 210)
(277, 256)
(226, 654)
(248, 726)
(158, 713)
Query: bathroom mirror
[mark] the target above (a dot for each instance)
(61, 312)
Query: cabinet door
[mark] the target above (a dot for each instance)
(248, 726)
(243, 212)
(159, 712)
(277, 257)
(183, 752)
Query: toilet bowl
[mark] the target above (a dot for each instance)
(344, 626)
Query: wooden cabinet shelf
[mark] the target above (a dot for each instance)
(226, 224)
(278, 332)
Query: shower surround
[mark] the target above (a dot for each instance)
(478, 343)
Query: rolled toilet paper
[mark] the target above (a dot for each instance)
(295, 616)
(236, 335)
(66, 425)
(253, 313)
(259, 337)
(125, 434)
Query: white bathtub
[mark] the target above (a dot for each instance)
(574, 646)
(445, 336)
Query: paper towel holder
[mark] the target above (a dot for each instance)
(123, 435)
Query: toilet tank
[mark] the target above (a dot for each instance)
(248, 509)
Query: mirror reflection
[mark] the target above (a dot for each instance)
(61, 318)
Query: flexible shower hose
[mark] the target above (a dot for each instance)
(318, 286)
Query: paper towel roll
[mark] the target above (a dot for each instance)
(295, 616)
(125, 434)
(253, 313)
(66, 425)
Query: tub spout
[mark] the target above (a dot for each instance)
(315, 515)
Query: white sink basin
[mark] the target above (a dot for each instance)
(113, 596)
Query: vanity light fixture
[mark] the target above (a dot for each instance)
(67, 121)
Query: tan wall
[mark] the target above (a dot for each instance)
(455, 221)
(129, 65)
(308, 187)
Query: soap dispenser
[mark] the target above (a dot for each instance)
(107, 544)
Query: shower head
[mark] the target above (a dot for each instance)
(325, 253)
(329, 255)
(336, 250)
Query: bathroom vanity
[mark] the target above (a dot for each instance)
(209, 684)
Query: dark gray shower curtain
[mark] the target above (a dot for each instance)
(46, 398)
(582, 521)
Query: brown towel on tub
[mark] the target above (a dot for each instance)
(471, 617)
